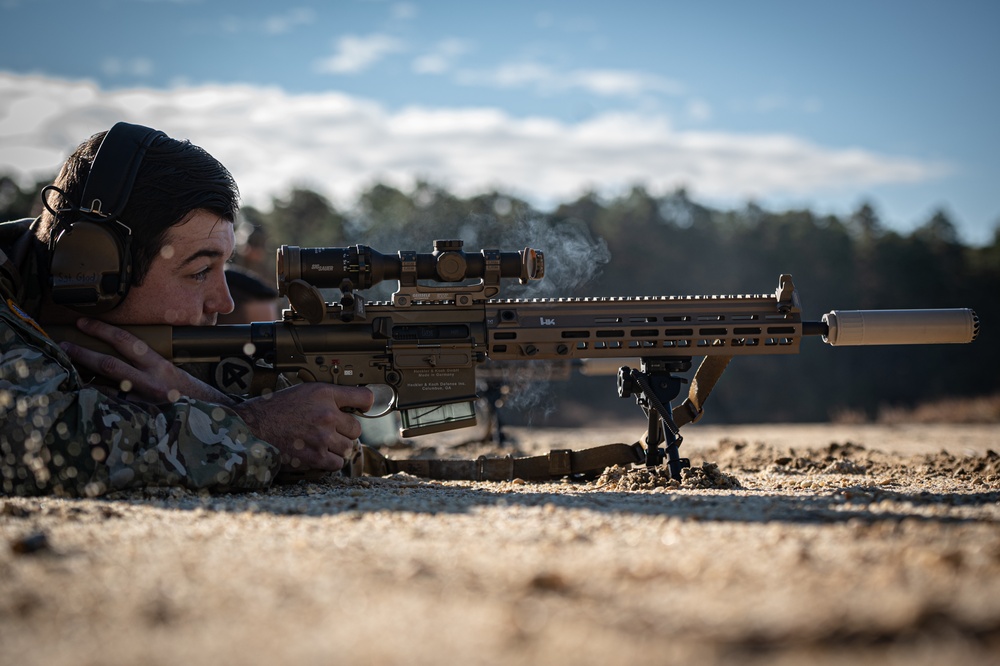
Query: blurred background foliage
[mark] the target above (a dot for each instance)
(639, 244)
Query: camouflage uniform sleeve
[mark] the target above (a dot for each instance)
(60, 436)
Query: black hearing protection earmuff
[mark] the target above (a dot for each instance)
(91, 266)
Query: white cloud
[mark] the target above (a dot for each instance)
(282, 23)
(403, 11)
(547, 80)
(339, 145)
(612, 82)
(355, 53)
(699, 110)
(276, 24)
(138, 67)
(442, 57)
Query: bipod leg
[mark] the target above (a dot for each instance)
(654, 386)
(654, 435)
(673, 442)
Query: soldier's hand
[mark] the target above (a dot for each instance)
(143, 373)
(308, 424)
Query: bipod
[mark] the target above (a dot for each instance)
(654, 386)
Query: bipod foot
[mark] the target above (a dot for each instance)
(674, 463)
(666, 457)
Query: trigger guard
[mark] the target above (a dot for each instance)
(369, 415)
(389, 401)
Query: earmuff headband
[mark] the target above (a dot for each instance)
(114, 169)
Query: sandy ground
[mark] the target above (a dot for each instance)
(839, 544)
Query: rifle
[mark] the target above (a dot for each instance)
(445, 320)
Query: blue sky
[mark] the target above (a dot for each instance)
(788, 104)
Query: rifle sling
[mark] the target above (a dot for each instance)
(704, 380)
(553, 465)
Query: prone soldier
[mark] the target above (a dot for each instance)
(137, 229)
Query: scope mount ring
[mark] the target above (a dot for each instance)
(410, 290)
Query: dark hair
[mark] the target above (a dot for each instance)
(175, 178)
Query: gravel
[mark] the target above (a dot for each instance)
(826, 544)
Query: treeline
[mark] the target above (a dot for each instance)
(639, 244)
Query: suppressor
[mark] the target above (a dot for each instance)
(900, 327)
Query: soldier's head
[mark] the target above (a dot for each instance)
(174, 178)
(179, 211)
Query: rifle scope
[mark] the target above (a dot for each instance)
(845, 328)
(365, 267)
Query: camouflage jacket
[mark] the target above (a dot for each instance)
(60, 435)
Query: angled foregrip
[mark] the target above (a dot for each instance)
(900, 327)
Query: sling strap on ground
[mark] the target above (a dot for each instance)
(553, 465)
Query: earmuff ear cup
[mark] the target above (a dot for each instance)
(91, 266)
